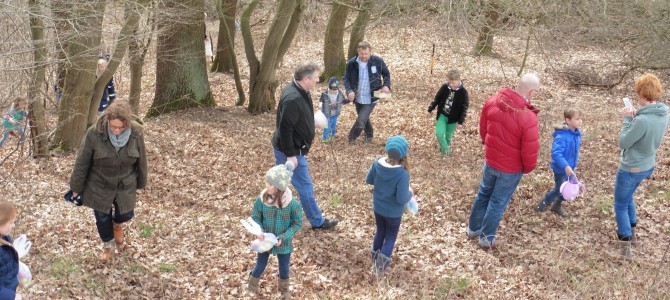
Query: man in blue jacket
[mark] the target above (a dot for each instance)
(365, 73)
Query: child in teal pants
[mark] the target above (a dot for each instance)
(452, 107)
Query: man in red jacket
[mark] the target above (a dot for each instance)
(508, 128)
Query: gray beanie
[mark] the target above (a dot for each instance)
(279, 176)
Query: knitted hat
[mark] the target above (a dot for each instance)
(333, 84)
(397, 147)
(279, 176)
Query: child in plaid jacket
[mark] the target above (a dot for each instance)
(277, 212)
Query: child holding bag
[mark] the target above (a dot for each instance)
(277, 212)
(390, 177)
(9, 256)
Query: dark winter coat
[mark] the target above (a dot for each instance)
(294, 131)
(565, 149)
(327, 107)
(9, 269)
(452, 104)
(508, 129)
(379, 78)
(102, 175)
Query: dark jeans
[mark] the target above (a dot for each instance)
(386, 235)
(362, 122)
(105, 222)
(555, 193)
(262, 262)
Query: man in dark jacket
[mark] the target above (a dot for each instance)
(364, 74)
(508, 128)
(293, 138)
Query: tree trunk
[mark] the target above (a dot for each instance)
(83, 39)
(181, 72)
(359, 27)
(223, 62)
(334, 61)
(36, 98)
(137, 51)
(484, 45)
(130, 25)
(233, 58)
(262, 82)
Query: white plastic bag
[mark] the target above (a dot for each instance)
(412, 207)
(320, 120)
(257, 245)
(25, 277)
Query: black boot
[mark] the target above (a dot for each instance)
(556, 208)
(380, 264)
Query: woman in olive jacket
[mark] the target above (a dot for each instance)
(110, 167)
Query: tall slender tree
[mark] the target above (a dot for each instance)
(223, 61)
(360, 25)
(38, 126)
(333, 45)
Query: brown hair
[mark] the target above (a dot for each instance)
(404, 162)
(275, 198)
(119, 110)
(649, 87)
(18, 100)
(7, 212)
(571, 112)
(454, 74)
(364, 45)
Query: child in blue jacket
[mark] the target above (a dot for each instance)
(390, 177)
(9, 257)
(564, 157)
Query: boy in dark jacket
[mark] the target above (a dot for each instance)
(564, 157)
(330, 104)
(452, 106)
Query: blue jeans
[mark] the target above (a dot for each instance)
(495, 193)
(302, 182)
(362, 122)
(105, 222)
(556, 192)
(624, 206)
(386, 235)
(16, 130)
(329, 131)
(262, 263)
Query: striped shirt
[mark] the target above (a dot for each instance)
(363, 96)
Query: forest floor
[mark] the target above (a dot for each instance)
(206, 168)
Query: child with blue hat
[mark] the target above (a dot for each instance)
(330, 104)
(390, 177)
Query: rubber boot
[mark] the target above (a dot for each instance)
(284, 289)
(542, 207)
(253, 284)
(380, 264)
(557, 209)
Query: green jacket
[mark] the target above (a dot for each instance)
(101, 174)
(641, 136)
(282, 222)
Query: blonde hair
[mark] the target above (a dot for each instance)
(571, 112)
(119, 110)
(649, 87)
(7, 212)
(18, 100)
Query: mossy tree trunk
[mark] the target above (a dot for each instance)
(334, 61)
(181, 72)
(262, 81)
(223, 61)
(137, 51)
(38, 126)
(360, 25)
(484, 44)
(82, 40)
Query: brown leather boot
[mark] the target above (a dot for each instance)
(107, 252)
(253, 284)
(118, 236)
(284, 289)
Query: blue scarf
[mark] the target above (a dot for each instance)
(119, 141)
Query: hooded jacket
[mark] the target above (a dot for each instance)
(294, 131)
(508, 129)
(9, 268)
(641, 136)
(565, 149)
(102, 175)
(391, 191)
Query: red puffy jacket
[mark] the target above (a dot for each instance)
(508, 128)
